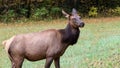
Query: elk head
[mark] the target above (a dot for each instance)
(74, 18)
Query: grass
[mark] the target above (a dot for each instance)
(97, 47)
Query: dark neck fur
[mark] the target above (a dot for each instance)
(69, 35)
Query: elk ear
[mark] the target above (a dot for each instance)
(74, 11)
(66, 14)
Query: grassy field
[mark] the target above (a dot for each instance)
(97, 47)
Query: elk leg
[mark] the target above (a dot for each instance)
(12, 62)
(18, 62)
(48, 62)
(57, 62)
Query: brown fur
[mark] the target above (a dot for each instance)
(49, 44)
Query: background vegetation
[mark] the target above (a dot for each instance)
(11, 10)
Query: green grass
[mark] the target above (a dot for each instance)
(97, 47)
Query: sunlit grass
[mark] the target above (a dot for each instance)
(97, 47)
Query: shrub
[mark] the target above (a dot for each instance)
(9, 16)
(117, 10)
(41, 13)
(113, 12)
(23, 11)
(93, 12)
(55, 12)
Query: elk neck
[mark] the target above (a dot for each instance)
(69, 34)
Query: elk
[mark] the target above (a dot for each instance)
(49, 44)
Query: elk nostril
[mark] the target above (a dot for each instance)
(82, 24)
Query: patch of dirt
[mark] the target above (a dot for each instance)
(102, 20)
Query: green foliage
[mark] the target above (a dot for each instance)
(41, 13)
(93, 12)
(55, 12)
(117, 10)
(50, 9)
(9, 16)
(23, 11)
(114, 12)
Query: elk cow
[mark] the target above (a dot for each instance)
(49, 44)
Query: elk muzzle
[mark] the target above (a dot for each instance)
(82, 24)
